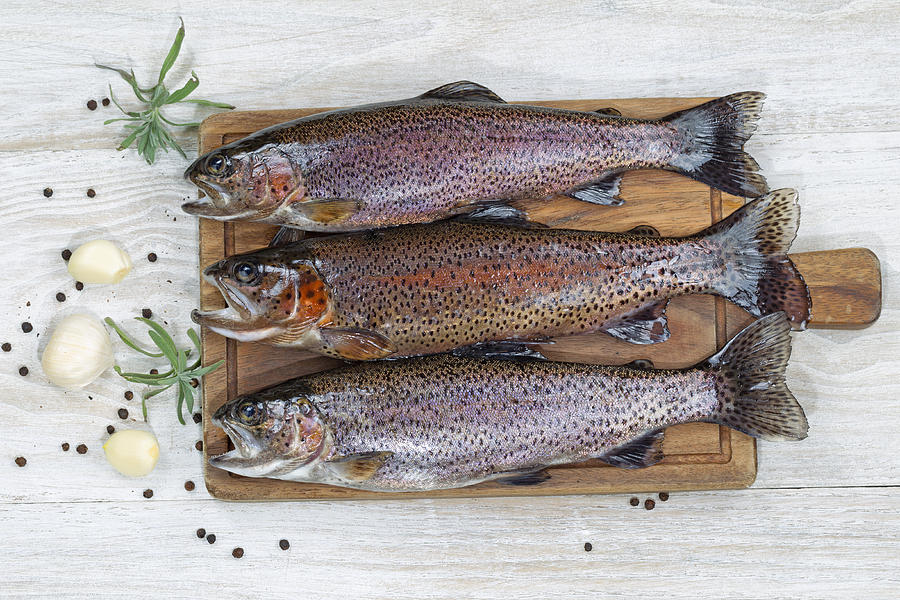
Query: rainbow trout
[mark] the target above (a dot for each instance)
(423, 289)
(460, 148)
(445, 421)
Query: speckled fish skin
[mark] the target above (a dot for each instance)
(425, 289)
(446, 421)
(456, 147)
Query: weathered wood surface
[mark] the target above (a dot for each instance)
(845, 287)
(819, 522)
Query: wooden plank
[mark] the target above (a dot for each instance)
(698, 456)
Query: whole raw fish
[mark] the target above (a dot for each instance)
(444, 421)
(423, 289)
(459, 148)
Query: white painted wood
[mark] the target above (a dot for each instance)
(69, 526)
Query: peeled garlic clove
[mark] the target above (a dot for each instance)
(78, 352)
(99, 261)
(132, 452)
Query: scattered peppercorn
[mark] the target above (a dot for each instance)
(48, 192)
(211, 538)
(154, 371)
(649, 504)
(105, 102)
(110, 429)
(123, 414)
(588, 546)
(152, 257)
(60, 297)
(189, 485)
(81, 449)
(201, 533)
(664, 496)
(634, 501)
(148, 493)
(27, 327)
(7, 346)
(197, 417)
(194, 382)
(65, 446)
(146, 313)
(21, 461)
(199, 445)
(284, 544)
(91, 193)
(23, 371)
(129, 394)
(66, 254)
(237, 552)
(79, 286)
(92, 105)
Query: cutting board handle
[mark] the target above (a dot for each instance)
(845, 287)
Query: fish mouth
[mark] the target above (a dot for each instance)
(218, 203)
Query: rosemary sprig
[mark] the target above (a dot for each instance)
(180, 372)
(148, 126)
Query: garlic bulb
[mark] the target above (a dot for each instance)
(99, 261)
(78, 352)
(132, 452)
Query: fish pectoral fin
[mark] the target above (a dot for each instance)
(358, 344)
(639, 452)
(499, 212)
(326, 210)
(500, 351)
(605, 191)
(647, 325)
(463, 90)
(523, 477)
(358, 467)
(609, 111)
(285, 236)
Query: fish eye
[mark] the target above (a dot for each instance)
(216, 164)
(245, 272)
(248, 412)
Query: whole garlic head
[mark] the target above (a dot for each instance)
(79, 350)
(132, 452)
(99, 261)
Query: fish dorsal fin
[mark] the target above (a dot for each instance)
(498, 212)
(463, 90)
(327, 210)
(609, 111)
(640, 363)
(500, 351)
(604, 191)
(643, 451)
(357, 344)
(358, 467)
(647, 325)
(285, 236)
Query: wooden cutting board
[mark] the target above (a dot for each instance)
(845, 286)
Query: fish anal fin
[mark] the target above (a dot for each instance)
(327, 210)
(604, 191)
(523, 478)
(358, 467)
(647, 325)
(357, 344)
(463, 90)
(499, 212)
(640, 452)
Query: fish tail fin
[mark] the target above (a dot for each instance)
(754, 397)
(758, 276)
(713, 137)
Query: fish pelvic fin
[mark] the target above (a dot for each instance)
(758, 275)
(756, 399)
(713, 137)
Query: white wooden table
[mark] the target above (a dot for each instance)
(822, 519)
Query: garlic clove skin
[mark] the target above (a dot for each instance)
(79, 350)
(132, 452)
(99, 261)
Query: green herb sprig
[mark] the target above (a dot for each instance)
(180, 372)
(148, 127)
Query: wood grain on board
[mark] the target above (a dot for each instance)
(845, 286)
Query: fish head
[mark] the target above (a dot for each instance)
(270, 297)
(275, 434)
(244, 181)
